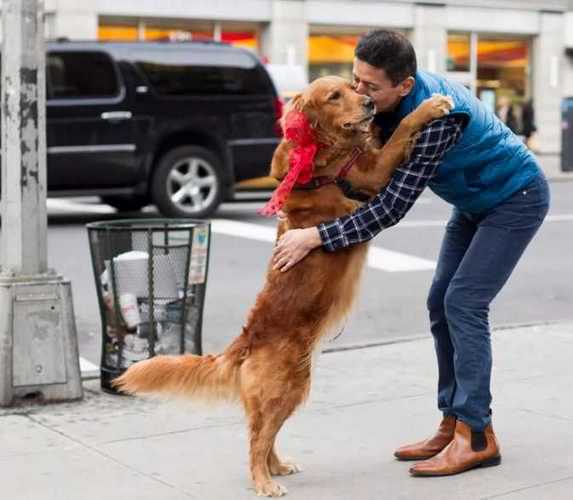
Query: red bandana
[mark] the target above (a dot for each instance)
(298, 131)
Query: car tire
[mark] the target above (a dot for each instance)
(125, 203)
(187, 182)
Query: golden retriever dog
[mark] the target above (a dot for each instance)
(268, 366)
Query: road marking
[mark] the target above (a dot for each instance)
(442, 223)
(244, 230)
(387, 260)
(67, 206)
(559, 218)
(88, 369)
(378, 258)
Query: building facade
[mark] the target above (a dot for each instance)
(503, 50)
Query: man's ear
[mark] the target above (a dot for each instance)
(407, 86)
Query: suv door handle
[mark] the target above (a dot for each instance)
(116, 115)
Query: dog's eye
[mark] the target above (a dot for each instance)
(335, 95)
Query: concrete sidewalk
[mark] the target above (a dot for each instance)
(364, 403)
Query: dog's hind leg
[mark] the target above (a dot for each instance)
(279, 467)
(264, 427)
(267, 407)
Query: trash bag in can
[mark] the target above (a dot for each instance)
(150, 279)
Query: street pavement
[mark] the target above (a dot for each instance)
(364, 403)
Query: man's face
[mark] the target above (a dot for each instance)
(373, 82)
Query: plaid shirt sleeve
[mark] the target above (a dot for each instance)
(407, 182)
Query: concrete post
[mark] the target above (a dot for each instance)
(73, 19)
(548, 58)
(285, 40)
(38, 344)
(429, 37)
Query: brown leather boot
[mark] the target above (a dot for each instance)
(467, 451)
(429, 447)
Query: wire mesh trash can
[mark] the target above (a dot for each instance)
(150, 277)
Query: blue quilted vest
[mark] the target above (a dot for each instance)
(487, 165)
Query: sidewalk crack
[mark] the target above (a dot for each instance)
(170, 433)
(99, 452)
(538, 485)
(547, 415)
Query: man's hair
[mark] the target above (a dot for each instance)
(390, 51)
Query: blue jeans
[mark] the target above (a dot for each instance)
(477, 256)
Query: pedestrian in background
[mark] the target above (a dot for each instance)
(528, 124)
(500, 198)
(506, 113)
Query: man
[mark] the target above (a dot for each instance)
(500, 198)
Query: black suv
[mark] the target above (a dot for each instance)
(173, 124)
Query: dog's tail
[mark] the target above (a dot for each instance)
(208, 378)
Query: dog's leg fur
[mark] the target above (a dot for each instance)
(279, 467)
(270, 395)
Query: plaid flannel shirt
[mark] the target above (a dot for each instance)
(407, 182)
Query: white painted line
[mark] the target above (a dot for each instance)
(442, 223)
(378, 258)
(559, 218)
(420, 223)
(244, 230)
(387, 260)
(67, 206)
(424, 201)
(87, 366)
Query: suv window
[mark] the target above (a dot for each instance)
(179, 78)
(77, 75)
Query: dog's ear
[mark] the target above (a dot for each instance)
(279, 164)
(301, 104)
(295, 104)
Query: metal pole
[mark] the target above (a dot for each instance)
(23, 140)
(38, 343)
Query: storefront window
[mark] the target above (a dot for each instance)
(117, 33)
(502, 78)
(503, 66)
(239, 37)
(459, 50)
(331, 55)
(496, 68)
(245, 39)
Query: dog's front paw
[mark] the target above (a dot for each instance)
(443, 104)
(270, 489)
(284, 469)
(436, 106)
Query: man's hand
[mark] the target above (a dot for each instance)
(293, 246)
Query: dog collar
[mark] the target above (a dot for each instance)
(340, 179)
(356, 153)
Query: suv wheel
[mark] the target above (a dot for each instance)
(187, 183)
(125, 203)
